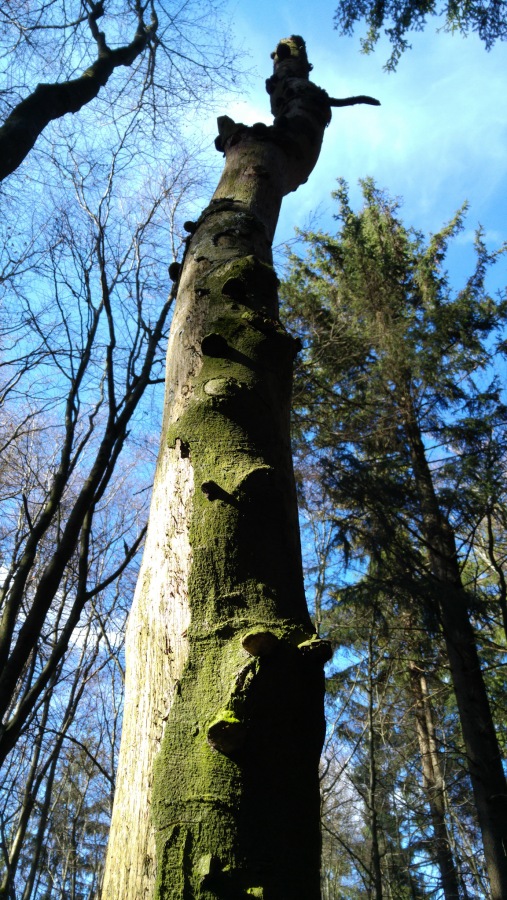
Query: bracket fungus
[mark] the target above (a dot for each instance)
(259, 642)
(226, 734)
(316, 650)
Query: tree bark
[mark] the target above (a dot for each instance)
(218, 790)
(433, 783)
(481, 744)
(375, 887)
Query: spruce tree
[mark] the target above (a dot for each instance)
(396, 364)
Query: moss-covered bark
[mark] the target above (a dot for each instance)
(235, 800)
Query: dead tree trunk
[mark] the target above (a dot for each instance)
(218, 787)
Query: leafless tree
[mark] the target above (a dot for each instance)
(82, 342)
(155, 57)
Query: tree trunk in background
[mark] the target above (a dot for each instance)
(433, 782)
(479, 736)
(375, 887)
(218, 789)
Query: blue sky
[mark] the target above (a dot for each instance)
(439, 138)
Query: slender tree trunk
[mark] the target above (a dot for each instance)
(38, 843)
(218, 788)
(433, 783)
(502, 581)
(29, 797)
(375, 890)
(481, 744)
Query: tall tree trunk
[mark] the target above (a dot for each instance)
(481, 743)
(375, 888)
(38, 840)
(218, 787)
(433, 782)
(32, 783)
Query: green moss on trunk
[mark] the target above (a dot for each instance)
(236, 779)
(236, 793)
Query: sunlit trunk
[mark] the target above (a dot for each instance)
(218, 790)
(433, 783)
